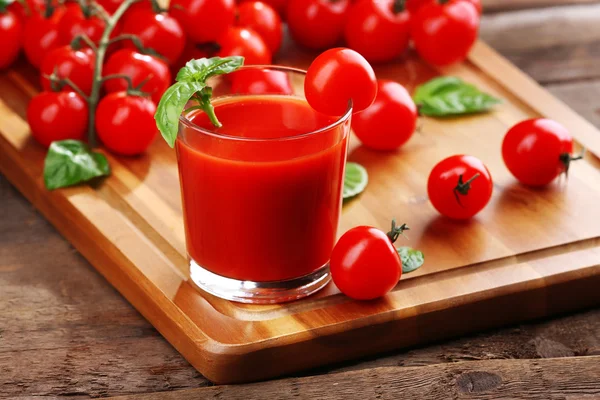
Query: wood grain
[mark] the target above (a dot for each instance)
(527, 379)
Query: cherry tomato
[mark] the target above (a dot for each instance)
(193, 51)
(204, 20)
(414, 5)
(317, 24)
(77, 65)
(337, 76)
(260, 81)
(264, 20)
(377, 29)
(277, 5)
(11, 34)
(443, 34)
(247, 43)
(460, 186)
(160, 32)
(536, 151)
(140, 68)
(41, 36)
(125, 123)
(23, 12)
(111, 5)
(75, 23)
(57, 116)
(364, 263)
(390, 121)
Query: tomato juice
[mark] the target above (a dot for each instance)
(262, 194)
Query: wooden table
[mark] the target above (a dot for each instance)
(65, 332)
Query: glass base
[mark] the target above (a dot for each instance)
(259, 292)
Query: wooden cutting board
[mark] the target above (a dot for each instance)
(529, 254)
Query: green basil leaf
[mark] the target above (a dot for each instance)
(356, 179)
(171, 106)
(451, 96)
(70, 162)
(411, 259)
(204, 68)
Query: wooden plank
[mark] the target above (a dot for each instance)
(582, 96)
(551, 45)
(506, 5)
(500, 379)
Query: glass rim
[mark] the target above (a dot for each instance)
(183, 119)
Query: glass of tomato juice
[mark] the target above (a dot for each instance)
(262, 195)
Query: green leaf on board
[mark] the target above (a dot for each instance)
(70, 162)
(355, 180)
(411, 259)
(451, 96)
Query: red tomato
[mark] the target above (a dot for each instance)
(23, 12)
(160, 32)
(337, 76)
(57, 116)
(125, 123)
(139, 67)
(11, 34)
(246, 43)
(390, 121)
(414, 5)
(111, 5)
(264, 20)
(460, 186)
(536, 151)
(77, 65)
(443, 34)
(277, 5)
(260, 81)
(317, 24)
(377, 30)
(75, 23)
(192, 51)
(41, 36)
(204, 20)
(364, 262)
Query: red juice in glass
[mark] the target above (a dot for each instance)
(262, 194)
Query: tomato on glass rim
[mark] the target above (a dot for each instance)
(536, 151)
(65, 62)
(244, 42)
(264, 20)
(41, 35)
(444, 31)
(157, 31)
(125, 123)
(204, 20)
(11, 32)
(337, 76)
(364, 262)
(57, 116)
(260, 81)
(378, 29)
(141, 68)
(390, 121)
(460, 186)
(317, 24)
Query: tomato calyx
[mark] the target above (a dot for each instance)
(566, 159)
(398, 6)
(462, 188)
(396, 231)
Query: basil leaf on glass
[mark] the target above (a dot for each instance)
(355, 180)
(448, 96)
(191, 85)
(411, 259)
(70, 162)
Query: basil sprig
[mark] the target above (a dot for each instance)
(70, 162)
(451, 96)
(191, 85)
